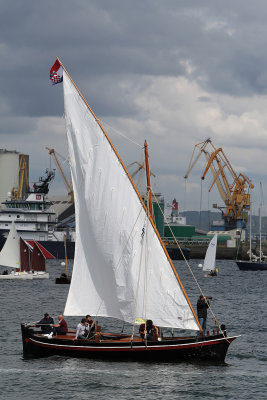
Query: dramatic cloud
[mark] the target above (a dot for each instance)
(172, 72)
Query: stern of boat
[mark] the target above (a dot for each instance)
(29, 350)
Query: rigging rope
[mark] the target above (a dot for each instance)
(138, 281)
(185, 193)
(200, 206)
(188, 265)
(121, 134)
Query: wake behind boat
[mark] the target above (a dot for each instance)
(132, 278)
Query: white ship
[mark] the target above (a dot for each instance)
(33, 217)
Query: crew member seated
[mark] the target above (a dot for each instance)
(46, 324)
(61, 328)
(148, 330)
(91, 323)
(82, 329)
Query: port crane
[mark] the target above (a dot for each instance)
(22, 180)
(68, 185)
(233, 189)
(140, 169)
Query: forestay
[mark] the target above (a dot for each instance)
(210, 257)
(10, 253)
(120, 267)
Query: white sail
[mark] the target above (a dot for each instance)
(120, 268)
(10, 254)
(210, 258)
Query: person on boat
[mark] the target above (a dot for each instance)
(5, 272)
(62, 327)
(213, 272)
(148, 330)
(82, 329)
(91, 323)
(202, 306)
(46, 324)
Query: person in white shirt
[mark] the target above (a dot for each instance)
(82, 329)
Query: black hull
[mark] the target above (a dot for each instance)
(251, 266)
(176, 254)
(58, 249)
(62, 281)
(210, 349)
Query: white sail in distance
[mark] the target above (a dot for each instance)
(10, 253)
(120, 267)
(210, 257)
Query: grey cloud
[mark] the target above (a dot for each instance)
(118, 38)
(114, 50)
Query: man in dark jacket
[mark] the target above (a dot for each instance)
(46, 324)
(202, 306)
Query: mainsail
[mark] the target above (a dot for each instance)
(210, 257)
(25, 255)
(38, 258)
(120, 268)
(10, 253)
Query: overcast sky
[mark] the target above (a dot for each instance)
(171, 72)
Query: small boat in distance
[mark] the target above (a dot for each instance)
(252, 265)
(255, 263)
(26, 261)
(132, 278)
(64, 278)
(209, 266)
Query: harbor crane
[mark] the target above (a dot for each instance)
(22, 184)
(233, 189)
(139, 172)
(68, 185)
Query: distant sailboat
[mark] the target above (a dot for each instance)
(64, 278)
(121, 268)
(38, 263)
(255, 263)
(25, 262)
(209, 266)
(10, 257)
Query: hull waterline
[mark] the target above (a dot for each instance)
(63, 280)
(120, 347)
(251, 266)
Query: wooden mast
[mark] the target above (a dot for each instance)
(149, 199)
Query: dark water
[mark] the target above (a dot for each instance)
(239, 301)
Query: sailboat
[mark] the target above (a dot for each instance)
(64, 278)
(10, 257)
(255, 263)
(121, 268)
(209, 266)
(25, 261)
(38, 262)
